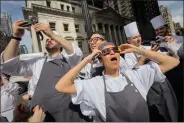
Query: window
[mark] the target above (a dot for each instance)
(86, 29)
(76, 27)
(65, 27)
(68, 8)
(69, 38)
(48, 3)
(80, 45)
(62, 7)
(73, 9)
(52, 25)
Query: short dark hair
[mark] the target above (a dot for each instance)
(100, 33)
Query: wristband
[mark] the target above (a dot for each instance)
(16, 38)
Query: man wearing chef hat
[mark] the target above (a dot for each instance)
(134, 38)
(159, 112)
(174, 42)
(175, 75)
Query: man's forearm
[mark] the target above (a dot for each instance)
(165, 62)
(67, 45)
(11, 50)
(72, 74)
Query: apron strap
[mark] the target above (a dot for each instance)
(136, 57)
(123, 74)
(61, 59)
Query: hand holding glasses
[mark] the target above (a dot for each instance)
(31, 21)
(159, 40)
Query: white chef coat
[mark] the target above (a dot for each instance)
(179, 41)
(9, 95)
(176, 47)
(91, 91)
(132, 58)
(33, 67)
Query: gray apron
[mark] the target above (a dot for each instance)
(58, 106)
(127, 105)
(162, 102)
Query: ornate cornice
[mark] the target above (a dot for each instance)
(56, 11)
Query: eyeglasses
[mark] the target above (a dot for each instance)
(94, 40)
(108, 51)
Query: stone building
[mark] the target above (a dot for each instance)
(66, 18)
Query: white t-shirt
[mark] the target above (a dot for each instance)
(132, 58)
(91, 91)
(9, 95)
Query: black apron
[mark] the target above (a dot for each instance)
(3, 119)
(58, 106)
(127, 105)
(162, 102)
(175, 77)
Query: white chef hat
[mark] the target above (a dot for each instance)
(158, 22)
(131, 29)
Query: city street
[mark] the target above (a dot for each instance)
(121, 60)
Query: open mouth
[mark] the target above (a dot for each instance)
(114, 59)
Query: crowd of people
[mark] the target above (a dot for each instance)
(126, 83)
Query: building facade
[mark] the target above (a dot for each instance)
(6, 23)
(144, 11)
(111, 3)
(141, 12)
(166, 13)
(4, 39)
(125, 8)
(5, 30)
(66, 18)
(23, 50)
(178, 28)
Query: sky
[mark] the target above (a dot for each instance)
(15, 9)
(176, 8)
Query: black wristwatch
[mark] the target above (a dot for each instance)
(16, 38)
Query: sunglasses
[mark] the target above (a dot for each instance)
(108, 51)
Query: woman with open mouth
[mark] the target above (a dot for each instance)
(117, 95)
